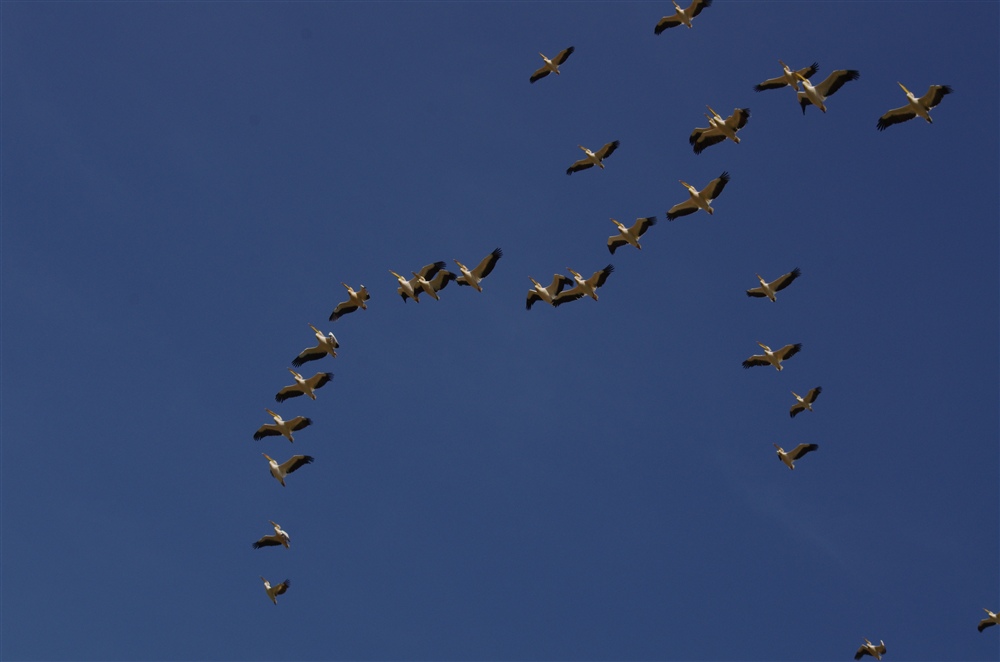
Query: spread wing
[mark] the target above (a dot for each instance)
(266, 430)
(600, 277)
(342, 309)
(309, 354)
(756, 360)
(563, 55)
(836, 80)
(292, 391)
(703, 138)
(607, 150)
(697, 6)
(319, 379)
(784, 281)
(682, 209)
(582, 164)
(801, 450)
(934, 95)
(671, 21)
(541, 73)
(615, 242)
(895, 116)
(485, 268)
(714, 188)
(296, 461)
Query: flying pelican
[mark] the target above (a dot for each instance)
(719, 129)
(281, 427)
(472, 277)
(991, 620)
(787, 78)
(327, 345)
(584, 287)
(279, 537)
(818, 95)
(356, 300)
(552, 66)
(914, 107)
(303, 386)
(806, 402)
(410, 289)
(699, 199)
(682, 15)
(630, 235)
(772, 358)
(279, 471)
(868, 648)
(547, 294)
(593, 158)
(273, 593)
(768, 289)
(794, 454)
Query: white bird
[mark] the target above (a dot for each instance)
(787, 78)
(552, 66)
(547, 294)
(411, 288)
(327, 345)
(303, 386)
(768, 289)
(991, 620)
(630, 235)
(806, 402)
(818, 95)
(772, 358)
(794, 454)
(719, 129)
(699, 199)
(279, 471)
(279, 537)
(868, 648)
(472, 277)
(914, 107)
(355, 300)
(681, 15)
(584, 286)
(273, 593)
(281, 427)
(593, 158)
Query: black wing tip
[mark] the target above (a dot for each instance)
(796, 272)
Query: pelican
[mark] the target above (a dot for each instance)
(806, 402)
(472, 277)
(699, 199)
(273, 593)
(303, 386)
(281, 427)
(719, 129)
(584, 287)
(991, 620)
(410, 289)
(547, 294)
(787, 78)
(355, 300)
(768, 289)
(279, 471)
(552, 66)
(794, 454)
(818, 95)
(772, 358)
(630, 235)
(593, 158)
(914, 107)
(279, 537)
(327, 345)
(682, 15)
(868, 648)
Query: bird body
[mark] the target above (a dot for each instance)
(719, 129)
(584, 286)
(279, 537)
(794, 454)
(868, 648)
(303, 386)
(593, 158)
(699, 199)
(788, 78)
(274, 592)
(326, 346)
(772, 358)
(817, 95)
(915, 107)
(472, 277)
(681, 16)
(279, 471)
(411, 288)
(355, 300)
(281, 427)
(769, 289)
(547, 294)
(990, 620)
(630, 235)
(551, 66)
(805, 403)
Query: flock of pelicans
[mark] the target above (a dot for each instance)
(433, 278)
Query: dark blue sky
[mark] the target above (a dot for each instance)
(185, 185)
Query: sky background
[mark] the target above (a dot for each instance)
(185, 185)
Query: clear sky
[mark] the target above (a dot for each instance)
(186, 184)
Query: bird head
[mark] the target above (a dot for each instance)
(763, 346)
(783, 65)
(712, 110)
(801, 77)
(460, 265)
(760, 279)
(398, 277)
(780, 449)
(315, 329)
(904, 88)
(676, 6)
(270, 412)
(295, 374)
(348, 287)
(576, 274)
(269, 458)
(264, 580)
